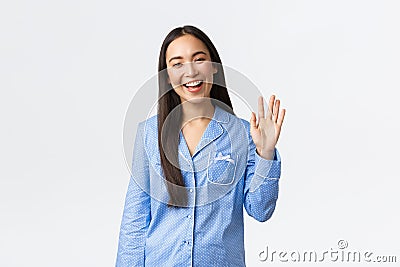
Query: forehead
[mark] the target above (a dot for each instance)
(184, 46)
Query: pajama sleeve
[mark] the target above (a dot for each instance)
(261, 184)
(136, 214)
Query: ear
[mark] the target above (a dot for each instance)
(215, 70)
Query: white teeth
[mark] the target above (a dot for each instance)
(193, 83)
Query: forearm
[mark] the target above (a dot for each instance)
(134, 224)
(262, 187)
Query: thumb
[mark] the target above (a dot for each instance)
(253, 123)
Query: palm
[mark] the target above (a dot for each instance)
(266, 131)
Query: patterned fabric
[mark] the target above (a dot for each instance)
(223, 175)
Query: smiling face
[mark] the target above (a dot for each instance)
(190, 70)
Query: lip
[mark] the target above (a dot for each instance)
(194, 90)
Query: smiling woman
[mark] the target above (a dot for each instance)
(204, 163)
(187, 54)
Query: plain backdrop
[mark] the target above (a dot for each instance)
(69, 69)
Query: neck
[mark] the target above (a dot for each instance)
(197, 111)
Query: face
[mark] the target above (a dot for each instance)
(190, 70)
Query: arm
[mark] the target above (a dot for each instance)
(136, 215)
(261, 184)
(264, 163)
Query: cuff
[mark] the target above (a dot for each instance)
(268, 168)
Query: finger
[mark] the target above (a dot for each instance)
(279, 123)
(275, 111)
(281, 117)
(261, 112)
(253, 122)
(271, 105)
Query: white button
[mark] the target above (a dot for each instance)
(190, 190)
(189, 216)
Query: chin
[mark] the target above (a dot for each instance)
(197, 100)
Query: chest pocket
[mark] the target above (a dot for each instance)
(221, 168)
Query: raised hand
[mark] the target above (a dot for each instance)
(265, 132)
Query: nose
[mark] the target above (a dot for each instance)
(190, 69)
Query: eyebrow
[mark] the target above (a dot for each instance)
(194, 54)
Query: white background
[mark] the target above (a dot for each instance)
(68, 70)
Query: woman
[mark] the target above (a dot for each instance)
(196, 164)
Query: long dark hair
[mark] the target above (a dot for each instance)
(168, 100)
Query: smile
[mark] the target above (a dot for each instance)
(193, 86)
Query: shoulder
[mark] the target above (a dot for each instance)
(149, 124)
(236, 121)
(234, 125)
(225, 117)
(245, 123)
(148, 129)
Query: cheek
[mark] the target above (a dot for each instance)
(179, 91)
(174, 78)
(207, 70)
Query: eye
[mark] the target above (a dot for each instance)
(199, 59)
(177, 65)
